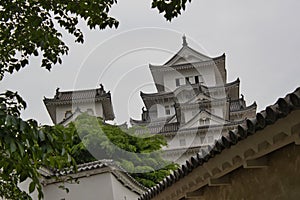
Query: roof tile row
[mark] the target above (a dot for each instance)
(270, 115)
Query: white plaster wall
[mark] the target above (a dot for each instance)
(60, 112)
(192, 139)
(161, 111)
(103, 186)
(188, 115)
(120, 192)
(218, 111)
(172, 110)
(96, 107)
(207, 73)
(169, 78)
(99, 109)
(94, 187)
(174, 143)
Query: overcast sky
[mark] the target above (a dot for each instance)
(261, 40)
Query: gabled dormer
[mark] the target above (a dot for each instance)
(188, 66)
(204, 118)
(186, 55)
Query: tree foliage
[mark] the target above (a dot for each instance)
(25, 148)
(140, 155)
(29, 28)
(170, 8)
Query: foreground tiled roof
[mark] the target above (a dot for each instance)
(267, 117)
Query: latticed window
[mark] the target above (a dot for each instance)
(204, 121)
(199, 79)
(190, 80)
(167, 110)
(179, 81)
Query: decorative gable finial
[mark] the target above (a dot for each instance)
(56, 93)
(184, 43)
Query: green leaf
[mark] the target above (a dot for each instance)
(31, 187)
(23, 177)
(21, 148)
(23, 126)
(13, 146)
(41, 135)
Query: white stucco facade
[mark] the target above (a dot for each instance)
(102, 186)
(194, 104)
(99, 180)
(93, 108)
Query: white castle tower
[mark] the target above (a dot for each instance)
(194, 104)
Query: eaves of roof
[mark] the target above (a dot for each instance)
(162, 95)
(96, 167)
(167, 67)
(72, 101)
(273, 113)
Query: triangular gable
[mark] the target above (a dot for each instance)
(200, 98)
(207, 118)
(187, 55)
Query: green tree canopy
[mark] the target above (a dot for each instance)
(29, 28)
(25, 148)
(138, 154)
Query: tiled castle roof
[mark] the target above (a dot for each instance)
(273, 113)
(77, 96)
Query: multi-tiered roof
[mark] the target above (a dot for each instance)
(192, 96)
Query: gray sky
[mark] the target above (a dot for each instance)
(260, 38)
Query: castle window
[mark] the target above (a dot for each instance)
(187, 80)
(167, 110)
(179, 81)
(204, 121)
(198, 79)
(190, 80)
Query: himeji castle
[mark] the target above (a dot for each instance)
(194, 104)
